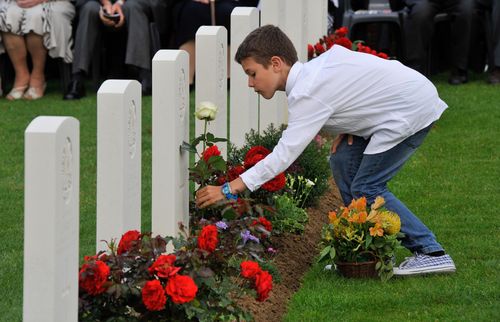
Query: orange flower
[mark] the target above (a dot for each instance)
(379, 202)
(332, 215)
(376, 230)
(358, 204)
(358, 217)
(345, 212)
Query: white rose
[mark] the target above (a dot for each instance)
(206, 111)
(309, 183)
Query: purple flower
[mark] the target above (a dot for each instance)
(271, 250)
(221, 225)
(247, 236)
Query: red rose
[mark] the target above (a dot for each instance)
(93, 276)
(208, 238)
(275, 184)
(264, 222)
(210, 152)
(382, 55)
(164, 266)
(181, 289)
(310, 51)
(345, 42)
(263, 285)
(341, 32)
(153, 296)
(319, 49)
(128, 240)
(254, 155)
(249, 269)
(232, 173)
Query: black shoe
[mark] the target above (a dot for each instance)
(494, 77)
(457, 77)
(76, 90)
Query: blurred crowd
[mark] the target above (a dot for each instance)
(97, 39)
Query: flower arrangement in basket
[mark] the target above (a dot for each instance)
(339, 37)
(361, 241)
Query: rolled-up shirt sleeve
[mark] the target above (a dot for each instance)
(307, 115)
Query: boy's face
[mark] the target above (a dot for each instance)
(265, 81)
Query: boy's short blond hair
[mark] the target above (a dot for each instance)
(264, 43)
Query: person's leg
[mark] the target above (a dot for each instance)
(38, 52)
(371, 180)
(460, 37)
(86, 35)
(137, 20)
(16, 49)
(419, 27)
(495, 24)
(345, 163)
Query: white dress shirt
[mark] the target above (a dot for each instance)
(344, 91)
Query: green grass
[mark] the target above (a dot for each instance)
(452, 185)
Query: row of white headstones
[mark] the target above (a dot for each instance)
(52, 151)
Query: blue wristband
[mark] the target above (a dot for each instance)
(226, 190)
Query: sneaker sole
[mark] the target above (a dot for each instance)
(428, 270)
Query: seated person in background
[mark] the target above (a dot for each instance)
(419, 30)
(94, 18)
(189, 15)
(494, 7)
(38, 27)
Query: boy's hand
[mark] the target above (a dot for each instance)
(339, 139)
(209, 195)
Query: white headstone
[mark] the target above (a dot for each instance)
(51, 219)
(296, 26)
(170, 192)
(317, 21)
(274, 110)
(211, 78)
(244, 102)
(118, 159)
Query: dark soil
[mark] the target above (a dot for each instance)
(293, 260)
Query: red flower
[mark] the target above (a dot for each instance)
(232, 173)
(93, 276)
(264, 222)
(164, 266)
(275, 184)
(181, 289)
(128, 240)
(249, 269)
(310, 51)
(208, 238)
(263, 285)
(210, 152)
(345, 42)
(341, 32)
(319, 49)
(254, 155)
(383, 55)
(153, 296)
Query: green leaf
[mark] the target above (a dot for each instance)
(324, 252)
(368, 241)
(229, 213)
(332, 253)
(217, 162)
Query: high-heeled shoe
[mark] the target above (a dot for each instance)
(34, 93)
(16, 93)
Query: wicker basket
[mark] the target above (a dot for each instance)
(357, 270)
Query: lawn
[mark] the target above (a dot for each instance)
(450, 183)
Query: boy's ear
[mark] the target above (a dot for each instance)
(276, 62)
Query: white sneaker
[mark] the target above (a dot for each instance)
(425, 264)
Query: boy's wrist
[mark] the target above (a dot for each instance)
(227, 192)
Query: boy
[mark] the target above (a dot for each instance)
(386, 109)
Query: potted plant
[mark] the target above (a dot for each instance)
(361, 240)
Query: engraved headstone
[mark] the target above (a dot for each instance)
(51, 219)
(118, 159)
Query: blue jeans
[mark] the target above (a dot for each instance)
(357, 175)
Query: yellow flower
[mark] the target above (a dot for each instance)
(391, 222)
(376, 230)
(379, 202)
